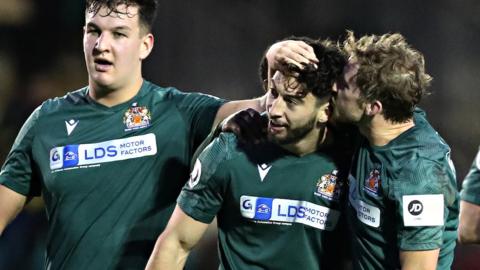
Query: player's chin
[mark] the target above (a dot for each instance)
(276, 137)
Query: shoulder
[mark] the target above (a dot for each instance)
(175, 95)
(73, 98)
(223, 148)
(422, 144)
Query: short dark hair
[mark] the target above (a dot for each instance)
(147, 9)
(319, 80)
(390, 71)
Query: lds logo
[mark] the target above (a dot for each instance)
(415, 207)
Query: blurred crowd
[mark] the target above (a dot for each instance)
(214, 46)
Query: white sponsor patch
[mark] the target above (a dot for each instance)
(423, 210)
(366, 213)
(79, 155)
(195, 174)
(283, 211)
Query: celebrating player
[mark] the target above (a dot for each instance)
(277, 203)
(403, 201)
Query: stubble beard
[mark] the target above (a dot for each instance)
(294, 135)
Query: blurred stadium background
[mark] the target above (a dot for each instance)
(214, 46)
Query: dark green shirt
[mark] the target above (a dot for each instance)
(109, 176)
(274, 210)
(403, 196)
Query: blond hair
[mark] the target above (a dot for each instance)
(390, 71)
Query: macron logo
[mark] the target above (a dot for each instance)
(71, 125)
(263, 170)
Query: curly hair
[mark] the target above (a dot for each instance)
(390, 71)
(318, 80)
(147, 9)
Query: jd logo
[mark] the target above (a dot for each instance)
(415, 207)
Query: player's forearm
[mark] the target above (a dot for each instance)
(469, 227)
(168, 254)
(11, 203)
(419, 260)
(468, 236)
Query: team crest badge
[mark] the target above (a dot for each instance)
(373, 182)
(136, 117)
(329, 187)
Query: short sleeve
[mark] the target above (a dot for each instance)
(199, 111)
(471, 183)
(17, 171)
(202, 196)
(423, 197)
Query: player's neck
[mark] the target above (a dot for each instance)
(113, 96)
(380, 131)
(309, 144)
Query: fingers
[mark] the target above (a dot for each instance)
(248, 125)
(285, 54)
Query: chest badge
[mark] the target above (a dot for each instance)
(329, 186)
(373, 183)
(71, 125)
(263, 170)
(136, 117)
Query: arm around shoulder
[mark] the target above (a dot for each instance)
(232, 107)
(11, 203)
(174, 244)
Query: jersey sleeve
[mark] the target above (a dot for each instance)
(471, 183)
(199, 111)
(202, 196)
(18, 170)
(423, 198)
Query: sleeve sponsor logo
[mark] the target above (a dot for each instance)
(195, 174)
(423, 210)
(285, 212)
(415, 208)
(366, 213)
(85, 155)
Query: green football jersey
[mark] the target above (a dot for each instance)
(471, 183)
(403, 197)
(109, 176)
(275, 210)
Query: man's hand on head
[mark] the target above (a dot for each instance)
(249, 125)
(288, 54)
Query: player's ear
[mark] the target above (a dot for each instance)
(146, 46)
(323, 112)
(373, 108)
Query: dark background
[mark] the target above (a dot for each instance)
(214, 47)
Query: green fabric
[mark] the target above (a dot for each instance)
(471, 183)
(417, 163)
(109, 188)
(268, 223)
